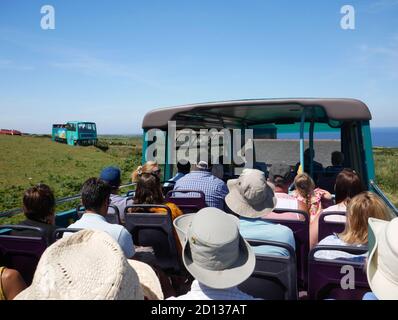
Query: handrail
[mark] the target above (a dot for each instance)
(381, 194)
(13, 212)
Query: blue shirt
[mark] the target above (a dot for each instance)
(258, 229)
(93, 221)
(215, 189)
(369, 296)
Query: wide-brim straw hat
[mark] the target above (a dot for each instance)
(382, 264)
(214, 252)
(251, 196)
(89, 265)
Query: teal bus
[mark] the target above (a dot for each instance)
(75, 133)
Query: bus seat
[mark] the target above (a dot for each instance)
(301, 231)
(326, 227)
(113, 215)
(189, 201)
(154, 230)
(274, 277)
(60, 231)
(22, 253)
(325, 276)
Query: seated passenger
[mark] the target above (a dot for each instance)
(348, 185)
(337, 162)
(201, 178)
(148, 167)
(39, 209)
(183, 168)
(317, 167)
(11, 283)
(215, 254)
(382, 263)
(149, 191)
(362, 207)
(251, 197)
(111, 175)
(90, 265)
(311, 199)
(95, 198)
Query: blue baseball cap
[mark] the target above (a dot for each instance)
(111, 175)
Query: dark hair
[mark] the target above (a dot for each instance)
(95, 192)
(348, 185)
(184, 167)
(148, 190)
(39, 202)
(337, 158)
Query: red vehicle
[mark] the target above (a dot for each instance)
(11, 132)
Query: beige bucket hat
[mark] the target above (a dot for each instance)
(250, 195)
(90, 265)
(382, 264)
(214, 252)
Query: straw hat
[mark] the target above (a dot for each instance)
(382, 265)
(250, 195)
(213, 250)
(88, 265)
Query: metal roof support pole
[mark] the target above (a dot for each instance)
(311, 146)
(302, 140)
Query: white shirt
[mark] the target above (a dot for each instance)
(201, 292)
(340, 207)
(94, 221)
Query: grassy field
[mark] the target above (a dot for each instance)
(28, 160)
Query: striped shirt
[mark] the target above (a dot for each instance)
(214, 188)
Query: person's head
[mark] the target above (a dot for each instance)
(304, 184)
(307, 155)
(337, 158)
(184, 167)
(89, 265)
(148, 190)
(148, 167)
(382, 262)
(362, 207)
(213, 251)
(280, 175)
(111, 175)
(250, 196)
(95, 196)
(39, 204)
(348, 185)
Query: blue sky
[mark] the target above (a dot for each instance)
(112, 61)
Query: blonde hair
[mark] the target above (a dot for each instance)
(305, 186)
(362, 207)
(148, 167)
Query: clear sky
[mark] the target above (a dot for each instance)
(112, 61)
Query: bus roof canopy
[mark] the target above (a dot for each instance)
(247, 113)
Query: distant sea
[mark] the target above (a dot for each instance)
(385, 137)
(381, 137)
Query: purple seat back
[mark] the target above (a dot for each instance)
(154, 230)
(22, 253)
(324, 276)
(274, 277)
(301, 231)
(327, 228)
(188, 203)
(113, 215)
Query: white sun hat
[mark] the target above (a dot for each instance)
(250, 195)
(214, 252)
(382, 264)
(88, 265)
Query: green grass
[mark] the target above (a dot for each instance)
(386, 165)
(26, 161)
